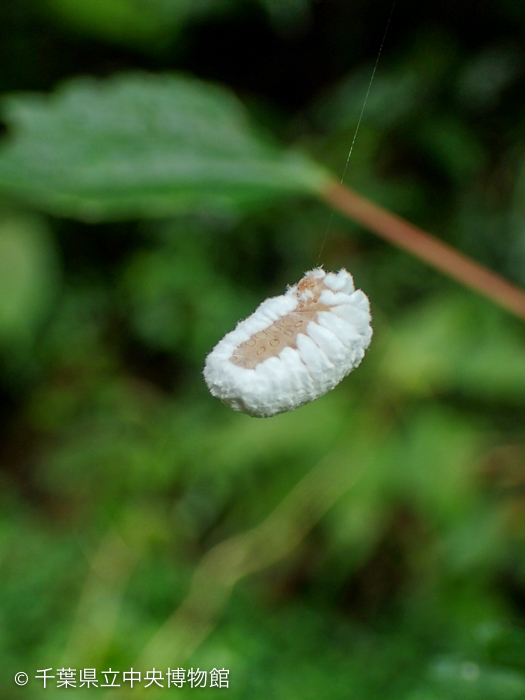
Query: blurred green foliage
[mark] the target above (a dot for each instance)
(143, 213)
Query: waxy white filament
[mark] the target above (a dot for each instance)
(293, 348)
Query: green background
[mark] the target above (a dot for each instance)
(160, 166)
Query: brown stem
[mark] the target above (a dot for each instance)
(426, 247)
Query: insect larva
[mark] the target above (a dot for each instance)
(293, 348)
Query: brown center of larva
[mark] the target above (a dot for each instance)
(283, 333)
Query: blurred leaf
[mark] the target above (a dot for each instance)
(391, 101)
(149, 24)
(436, 461)
(486, 75)
(28, 277)
(459, 343)
(143, 145)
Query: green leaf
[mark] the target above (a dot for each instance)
(459, 343)
(150, 25)
(141, 145)
(28, 279)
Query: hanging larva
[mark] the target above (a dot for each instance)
(293, 348)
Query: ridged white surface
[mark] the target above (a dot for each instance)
(327, 349)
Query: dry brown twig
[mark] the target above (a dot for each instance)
(426, 247)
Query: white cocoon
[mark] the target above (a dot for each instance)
(293, 348)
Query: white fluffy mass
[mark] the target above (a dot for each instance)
(335, 331)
